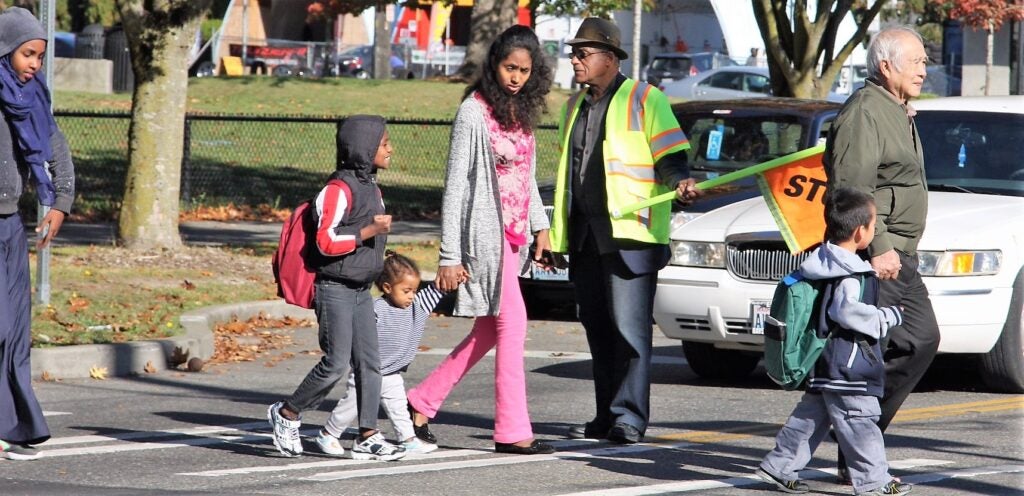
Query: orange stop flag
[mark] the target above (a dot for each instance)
(795, 195)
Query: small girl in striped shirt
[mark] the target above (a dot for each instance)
(402, 313)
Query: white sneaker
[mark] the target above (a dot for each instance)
(329, 444)
(376, 447)
(417, 445)
(286, 432)
(19, 452)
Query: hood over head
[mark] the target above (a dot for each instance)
(18, 25)
(830, 261)
(358, 140)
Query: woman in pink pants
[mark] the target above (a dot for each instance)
(491, 207)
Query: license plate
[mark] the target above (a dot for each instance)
(758, 314)
(540, 274)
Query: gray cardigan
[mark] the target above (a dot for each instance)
(14, 174)
(472, 231)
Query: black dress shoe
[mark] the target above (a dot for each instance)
(588, 430)
(422, 431)
(536, 448)
(623, 433)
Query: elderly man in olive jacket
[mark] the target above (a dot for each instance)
(874, 147)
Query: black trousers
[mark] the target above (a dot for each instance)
(910, 347)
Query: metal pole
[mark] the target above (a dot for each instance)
(638, 6)
(48, 16)
(245, 34)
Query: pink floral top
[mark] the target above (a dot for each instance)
(513, 155)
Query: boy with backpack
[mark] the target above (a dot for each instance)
(848, 378)
(351, 231)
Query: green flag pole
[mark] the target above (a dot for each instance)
(723, 179)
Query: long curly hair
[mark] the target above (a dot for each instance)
(523, 109)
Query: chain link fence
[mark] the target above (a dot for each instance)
(251, 161)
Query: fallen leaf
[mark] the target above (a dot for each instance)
(188, 285)
(98, 372)
(150, 368)
(46, 377)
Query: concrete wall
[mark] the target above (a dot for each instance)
(974, 62)
(91, 75)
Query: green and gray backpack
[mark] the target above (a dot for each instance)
(795, 332)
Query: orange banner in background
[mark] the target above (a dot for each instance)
(795, 195)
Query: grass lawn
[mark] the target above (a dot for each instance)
(103, 294)
(264, 95)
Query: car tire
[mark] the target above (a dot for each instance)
(1002, 369)
(709, 362)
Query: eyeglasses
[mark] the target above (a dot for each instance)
(579, 54)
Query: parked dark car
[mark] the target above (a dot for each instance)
(751, 131)
(667, 67)
(357, 62)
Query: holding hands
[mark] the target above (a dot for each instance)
(450, 276)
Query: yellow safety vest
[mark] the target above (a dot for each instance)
(640, 128)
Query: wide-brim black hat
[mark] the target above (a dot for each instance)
(597, 31)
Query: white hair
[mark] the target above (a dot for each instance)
(886, 45)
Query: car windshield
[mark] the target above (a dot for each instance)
(672, 64)
(724, 143)
(973, 152)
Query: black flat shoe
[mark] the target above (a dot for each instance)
(536, 448)
(623, 433)
(422, 431)
(589, 430)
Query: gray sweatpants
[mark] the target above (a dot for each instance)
(348, 338)
(854, 420)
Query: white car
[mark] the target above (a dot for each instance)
(725, 263)
(727, 82)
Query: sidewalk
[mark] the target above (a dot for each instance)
(131, 358)
(231, 233)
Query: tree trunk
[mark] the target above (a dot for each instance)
(989, 47)
(489, 19)
(381, 43)
(159, 40)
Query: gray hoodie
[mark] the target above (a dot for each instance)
(845, 308)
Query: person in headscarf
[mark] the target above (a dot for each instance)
(31, 146)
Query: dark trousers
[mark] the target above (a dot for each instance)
(348, 337)
(21, 418)
(910, 347)
(615, 307)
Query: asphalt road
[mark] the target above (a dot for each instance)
(206, 433)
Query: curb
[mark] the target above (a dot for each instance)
(125, 359)
(130, 358)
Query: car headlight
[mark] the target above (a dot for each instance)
(959, 263)
(698, 254)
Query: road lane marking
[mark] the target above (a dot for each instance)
(128, 436)
(955, 409)
(393, 469)
(226, 432)
(962, 473)
(54, 414)
(331, 463)
(740, 481)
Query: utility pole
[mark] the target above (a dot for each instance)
(48, 16)
(638, 6)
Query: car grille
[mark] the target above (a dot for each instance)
(703, 324)
(754, 258)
